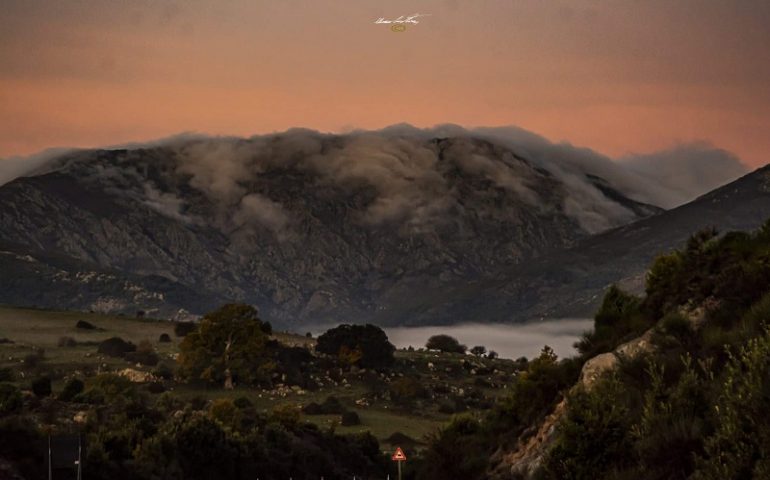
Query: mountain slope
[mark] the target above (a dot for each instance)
(569, 282)
(308, 227)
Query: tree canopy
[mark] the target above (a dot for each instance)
(445, 343)
(361, 345)
(228, 345)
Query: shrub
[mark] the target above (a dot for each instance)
(447, 406)
(32, 360)
(446, 344)
(332, 405)
(6, 375)
(10, 399)
(349, 419)
(156, 388)
(406, 389)
(41, 386)
(83, 325)
(739, 447)
(182, 329)
(492, 355)
(224, 411)
(677, 326)
(164, 338)
(164, 371)
(204, 450)
(144, 354)
(67, 342)
(312, 408)
(242, 403)
(93, 396)
(287, 415)
(116, 347)
(72, 388)
(479, 350)
(111, 386)
(593, 435)
(618, 319)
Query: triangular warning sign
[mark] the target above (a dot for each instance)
(399, 455)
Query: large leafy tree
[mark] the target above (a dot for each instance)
(229, 345)
(362, 345)
(445, 343)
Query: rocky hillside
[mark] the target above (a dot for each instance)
(306, 226)
(570, 282)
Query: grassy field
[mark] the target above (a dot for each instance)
(30, 329)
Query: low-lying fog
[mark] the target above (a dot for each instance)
(509, 341)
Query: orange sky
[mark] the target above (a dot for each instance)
(617, 76)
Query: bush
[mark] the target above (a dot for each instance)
(72, 388)
(479, 350)
(32, 360)
(366, 346)
(6, 375)
(83, 325)
(41, 386)
(116, 347)
(332, 405)
(492, 355)
(593, 435)
(349, 419)
(445, 343)
(182, 329)
(224, 411)
(164, 338)
(110, 386)
(447, 406)
(144, 354)
(287, 415)
(156, 388)
(677, 326)
(67, 342)
(10, 399)
(406, 389)
(164, 371)
(312, 408)
(242, 403)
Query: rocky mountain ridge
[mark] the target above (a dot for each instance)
(308, 227)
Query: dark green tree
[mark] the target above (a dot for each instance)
(229, 345)
(445, 343)
(362, 345)
(479, 350)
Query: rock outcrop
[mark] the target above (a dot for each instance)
(530, 452)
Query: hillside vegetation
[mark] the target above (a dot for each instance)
(225, 396)
(687, 399)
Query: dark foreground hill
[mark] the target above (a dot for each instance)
(669, 385)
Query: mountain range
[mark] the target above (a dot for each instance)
(400, 226)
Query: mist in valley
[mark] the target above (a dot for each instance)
(509, 340)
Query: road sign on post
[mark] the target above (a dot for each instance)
(399, 457)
